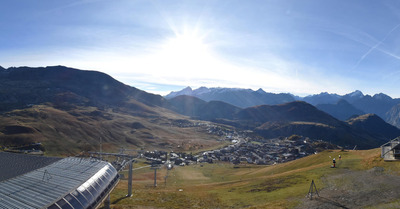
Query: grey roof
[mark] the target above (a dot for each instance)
(42, 187)
(12, 164)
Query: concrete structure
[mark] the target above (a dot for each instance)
(391, 150)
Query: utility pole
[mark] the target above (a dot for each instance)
(130, 180)
(165, 179)
(155, 175)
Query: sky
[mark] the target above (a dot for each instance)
(301, 47)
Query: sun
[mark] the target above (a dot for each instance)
(184, 56)
(186, 45)
(186, 48)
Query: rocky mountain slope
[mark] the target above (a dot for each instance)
(393, 115)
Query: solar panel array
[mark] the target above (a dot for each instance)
(13, 164)
(60, 185)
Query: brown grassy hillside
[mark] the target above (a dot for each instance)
(80, 129)
(70, 110)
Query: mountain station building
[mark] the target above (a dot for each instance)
(28, 181)
(391, 150)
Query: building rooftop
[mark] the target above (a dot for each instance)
(12, 164)
(54, 182)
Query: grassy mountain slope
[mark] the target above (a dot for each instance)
(60, 85)
(70, 110)
(355, 183)
(374, 125)
(304, 119)
(70, 132)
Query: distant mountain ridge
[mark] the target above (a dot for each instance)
(340, 106)
(393, 115)
(235, 96)
(199, 109)
(342, 110)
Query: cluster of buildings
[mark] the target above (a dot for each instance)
(260, 152)
(246, 147)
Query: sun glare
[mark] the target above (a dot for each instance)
(186, 49)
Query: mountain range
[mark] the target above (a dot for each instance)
(341, 107)
(238, 97)
(70, 110)
(291, 118)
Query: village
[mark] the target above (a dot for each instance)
(245, 148)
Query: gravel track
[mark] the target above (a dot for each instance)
(356, 189)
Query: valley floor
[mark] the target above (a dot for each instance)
(360, 180)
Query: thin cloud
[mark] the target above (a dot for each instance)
(376, 46)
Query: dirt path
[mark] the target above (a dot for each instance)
(356, 189)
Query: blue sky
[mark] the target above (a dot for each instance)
(302, 47)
